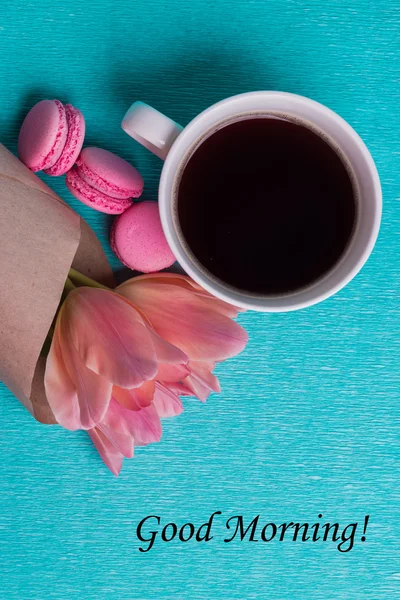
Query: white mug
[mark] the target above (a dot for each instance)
(172, 143)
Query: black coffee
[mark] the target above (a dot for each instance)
(266, 205)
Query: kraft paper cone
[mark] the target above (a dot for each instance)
(40, 239)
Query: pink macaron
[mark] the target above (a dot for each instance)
(138, 240)
(51, 137)
(104, 181)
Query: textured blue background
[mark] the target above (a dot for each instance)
(308, 419)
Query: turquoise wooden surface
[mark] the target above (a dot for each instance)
(308, 421)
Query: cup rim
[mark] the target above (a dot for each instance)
(299, 298)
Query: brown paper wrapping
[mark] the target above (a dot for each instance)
(40, 239)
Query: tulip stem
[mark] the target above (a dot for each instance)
(47, 342)
(68, 286)
(83, 280)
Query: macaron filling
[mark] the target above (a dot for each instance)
(90, 196)
(60, 140)
(73, 144)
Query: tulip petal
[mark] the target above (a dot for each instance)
(166, 402)
(197, 388)
(77, 396)
(219, 305)
(171, 373)
(60, 390)
(202, 372)
(179, 388)
(110, 336)
(184, 281)
(143, 425)
(166, 352)
(93, 391)
(201, 381)
(136, 398)
(123, 443)
(110, 455)
(185, 320)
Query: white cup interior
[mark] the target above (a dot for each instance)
(341, 135)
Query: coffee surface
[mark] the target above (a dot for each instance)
(266, 205)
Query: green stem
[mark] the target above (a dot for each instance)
(68, 286)
(47, 342)
(81, 279)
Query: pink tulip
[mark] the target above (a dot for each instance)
(103, 347)
(122, 428)
(191, 319)
(120, 360)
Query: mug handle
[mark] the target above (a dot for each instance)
(152, 129)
